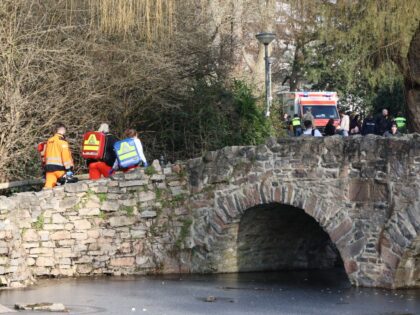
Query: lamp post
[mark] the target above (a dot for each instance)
(266, 39)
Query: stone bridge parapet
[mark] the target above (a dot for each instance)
(362, 191)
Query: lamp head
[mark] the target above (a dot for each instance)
(265, 38)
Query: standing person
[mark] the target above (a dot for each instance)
(131, 133)
(103, 167)
(393, 132)
(401, 122)
(344, 124)
(309, 130)
(330, 128)
(369, 125)
(383, 123)
(308, 116)
(58, 159)
(355, 126)
(296, 125)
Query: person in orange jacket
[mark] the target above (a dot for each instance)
(58, 159)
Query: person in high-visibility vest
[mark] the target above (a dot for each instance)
(58, 159)
(131, 133)
(297, 125)
(401, 122)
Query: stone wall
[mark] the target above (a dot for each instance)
(130, 225)
(197, 216)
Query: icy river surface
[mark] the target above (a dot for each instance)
(300, 293)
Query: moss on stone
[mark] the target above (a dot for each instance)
(128, 209)
(102, 197)
(90, 193)
(39, 223)
(176, 201)
(150, 170)
(179, 198)
(103, 215)
(184, 233)
(160, 193)
(23, 231)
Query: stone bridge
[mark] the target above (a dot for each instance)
(290, 204)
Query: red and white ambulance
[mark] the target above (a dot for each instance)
(323, 106)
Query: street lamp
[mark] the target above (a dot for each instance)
(266, 39)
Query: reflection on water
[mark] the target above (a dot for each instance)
(292, 292)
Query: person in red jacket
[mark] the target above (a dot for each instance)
(103, 167)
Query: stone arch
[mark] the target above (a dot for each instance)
(408, 271)
(399, 248)
(333, 217)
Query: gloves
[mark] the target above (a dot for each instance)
(69, 173)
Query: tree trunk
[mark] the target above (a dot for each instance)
(412, 84)
(215, 12)
(237, 36)
(296, 68)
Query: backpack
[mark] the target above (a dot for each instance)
(42, 148)
(93, 145)
(127, 153)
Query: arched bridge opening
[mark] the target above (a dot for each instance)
(274, 237)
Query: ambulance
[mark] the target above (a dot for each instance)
(323, 106)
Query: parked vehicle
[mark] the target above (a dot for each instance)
(323, 106)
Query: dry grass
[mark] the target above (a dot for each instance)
(151, 20)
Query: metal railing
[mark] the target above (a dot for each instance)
(35, 181)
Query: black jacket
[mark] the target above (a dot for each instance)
(383, 124)
(329, 130)
(369, 126)
(109, 155)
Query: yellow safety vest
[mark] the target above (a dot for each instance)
(401, 122)
(91, 143)
(127, 151)
(296, 122)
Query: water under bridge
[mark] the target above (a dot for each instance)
(300, 203)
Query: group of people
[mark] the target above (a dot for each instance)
(58, 161)
(351, 124)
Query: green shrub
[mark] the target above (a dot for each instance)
(252, 127)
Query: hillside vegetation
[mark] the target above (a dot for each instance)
(186, 73)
